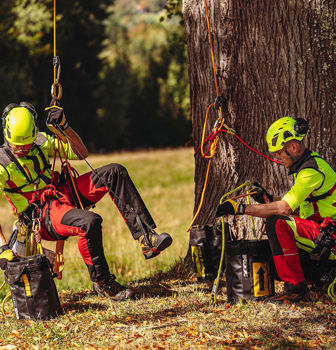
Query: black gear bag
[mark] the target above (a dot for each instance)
(33, 289)
(206, 246)
(249, 270)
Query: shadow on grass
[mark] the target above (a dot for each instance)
(298, 333)
(179, 271)
(153, 290)
(161, 284)
(79, 306)
(77, 301)
(166, 316)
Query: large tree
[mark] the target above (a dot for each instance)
(273, 58)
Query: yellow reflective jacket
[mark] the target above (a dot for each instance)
(314, 190)
(20, 177)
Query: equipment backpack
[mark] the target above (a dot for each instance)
(249, 270)
(206, 246)
(33, 289)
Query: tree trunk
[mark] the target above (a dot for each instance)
(273, 58)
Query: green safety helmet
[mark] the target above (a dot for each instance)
(284, 130)
(19, 126)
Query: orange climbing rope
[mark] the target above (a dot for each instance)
(56, 87)
(218, 124)
(211, 47)
(56, 95)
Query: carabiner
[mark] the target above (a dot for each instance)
(36, 228)
(56, 91)
(216, 125)
(57, 64)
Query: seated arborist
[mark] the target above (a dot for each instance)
(313, 193)
(27, 181)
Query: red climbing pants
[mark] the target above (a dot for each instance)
(62, 218)
(286, 235)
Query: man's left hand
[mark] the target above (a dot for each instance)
(56, 116)
(230, 207)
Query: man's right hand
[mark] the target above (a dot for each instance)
(261, 196)
(6, 255)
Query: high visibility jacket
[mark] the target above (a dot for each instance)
(314, 189)
(21, 177)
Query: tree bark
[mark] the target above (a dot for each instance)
(273, 58)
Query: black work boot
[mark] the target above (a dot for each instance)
(153, 244)
(109, 288)
(291, 294)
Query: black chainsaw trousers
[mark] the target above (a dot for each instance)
(62, 220)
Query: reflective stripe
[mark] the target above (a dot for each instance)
(27, 285)
(304, 243)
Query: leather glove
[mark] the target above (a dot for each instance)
(6, 255)
(56, 117)
(230, 207)
(261, 193)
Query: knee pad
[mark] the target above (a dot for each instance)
(91, 222)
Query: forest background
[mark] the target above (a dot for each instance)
(123, 68)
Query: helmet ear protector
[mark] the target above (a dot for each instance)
(301, 126)
(24, 104)
(284, 130)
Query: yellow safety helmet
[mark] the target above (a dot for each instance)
(284, 130)
(19, 124)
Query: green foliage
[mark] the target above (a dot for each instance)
(150, 59)
(123, 72)
(31, 22)
(173, 8)
(14, 58)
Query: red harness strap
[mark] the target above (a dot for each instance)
(316, 216)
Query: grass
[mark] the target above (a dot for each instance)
(172, 309)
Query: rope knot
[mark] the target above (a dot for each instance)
(49, 191)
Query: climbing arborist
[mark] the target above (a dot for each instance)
(313, 193)
(36, 193)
